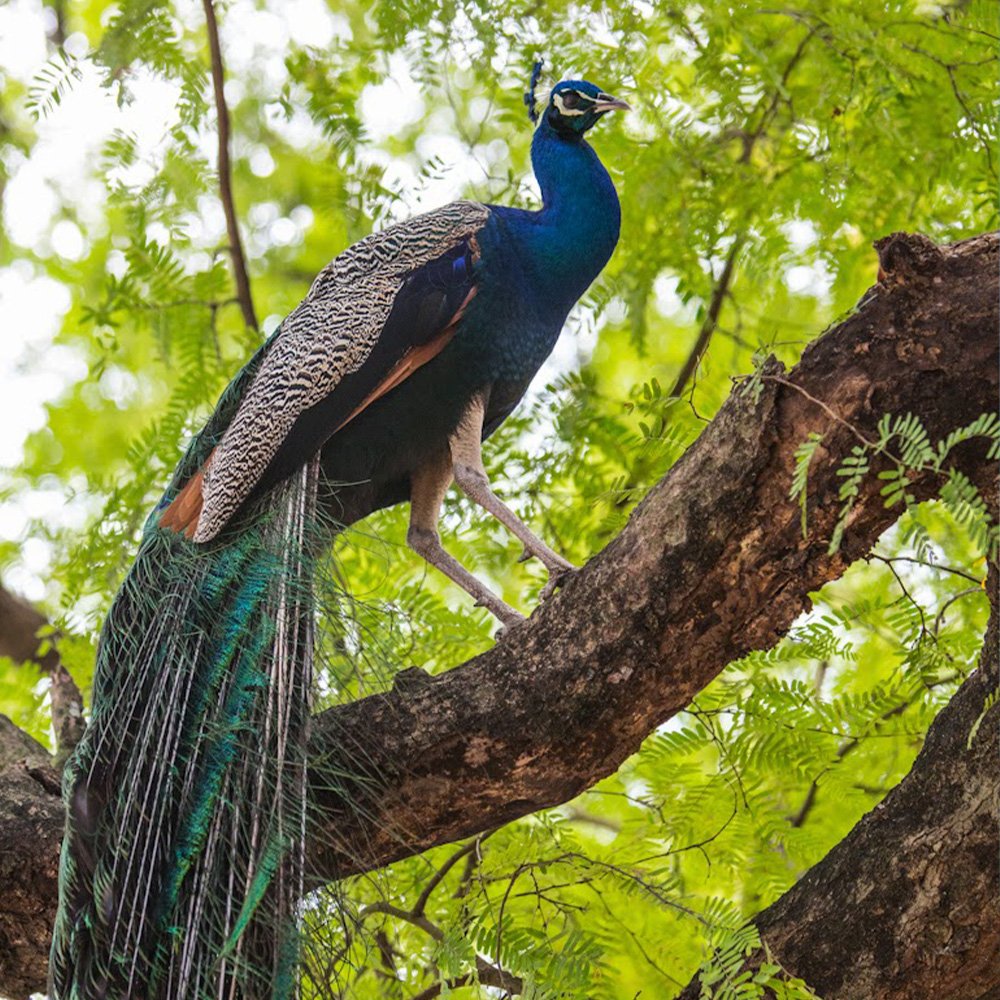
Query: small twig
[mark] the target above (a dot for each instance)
(568, 857)
(225, 170)
(711, 320)
(652, 806)
(699, 845)
(465, 879)
(930, 565)
(779, 92)
(538, 892)
(909, 597)
(636, 940)
(582, 816)
(939, 617)
(723, 752)
(820, 676)
(518, 872)
(386, 952)
(435, 880)
(972, 120)
(655, 891)
(435, 991)
(486, 975)
(847, 746)
(830, 413)
(427, 926)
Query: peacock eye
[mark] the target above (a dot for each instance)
(570, 99)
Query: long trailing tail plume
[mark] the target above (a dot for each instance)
(182, 862)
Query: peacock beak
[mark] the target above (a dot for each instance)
(605, 102)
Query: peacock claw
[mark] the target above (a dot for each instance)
(557, 577)
(507, 627)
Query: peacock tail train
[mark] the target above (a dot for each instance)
(183, 856)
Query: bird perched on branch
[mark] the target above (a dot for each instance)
(183, 860)
(415, 344)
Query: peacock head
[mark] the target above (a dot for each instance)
(576, 106)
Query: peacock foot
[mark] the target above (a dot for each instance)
(508, 628)
(558, 575)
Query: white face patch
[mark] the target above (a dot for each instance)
(557, 100)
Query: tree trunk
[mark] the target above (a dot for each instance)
(906, 906)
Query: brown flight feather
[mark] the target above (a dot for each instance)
(184, 511)
(414, 358)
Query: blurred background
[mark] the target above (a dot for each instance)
(768, 147)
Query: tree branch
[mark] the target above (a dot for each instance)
(471, 848)
(802, 814)
(409, 916)
(711, 320)
(906, 906)
(486, 975)
(20, 625)
(711, 565)
(722, 286)
(225, 170)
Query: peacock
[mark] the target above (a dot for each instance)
(183, 862)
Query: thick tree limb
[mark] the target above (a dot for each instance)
(711, 565)
(906, 906)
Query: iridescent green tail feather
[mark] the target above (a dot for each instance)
(182, 862)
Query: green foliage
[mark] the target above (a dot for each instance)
(789, 138)
(800, 479)
(904, 443)
(724, 977)
(52, 83)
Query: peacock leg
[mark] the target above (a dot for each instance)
(427, 489)
(470, 475)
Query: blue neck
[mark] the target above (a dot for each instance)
(567, 243)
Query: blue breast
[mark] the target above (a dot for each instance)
(534, 266)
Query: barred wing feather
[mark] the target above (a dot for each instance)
(374, 303)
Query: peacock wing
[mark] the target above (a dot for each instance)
(376, 313)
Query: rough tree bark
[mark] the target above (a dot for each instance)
(30, 805)
(711, 565)
(30, 833)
